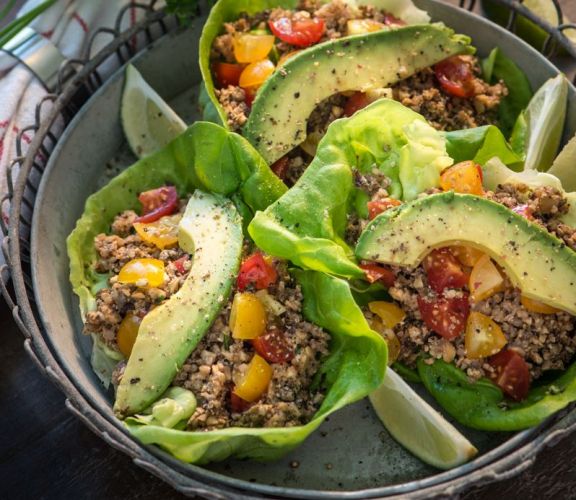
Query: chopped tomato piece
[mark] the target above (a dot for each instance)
(250, 93)
(464, 177)
(280, 167)
(455, 77)
(127, 333)
(162, 233)
(273, 347)
(483, 336)
(252, 48)
(511, 373)
(247, 316)
(256, 73)
(394, 346)
(287, 56)
(256, 271)
(389, 313)
(255, 381)
(378, 272)
(377, 207)
(445, 316)
(300, 33)
(356, 102)
(485, 279)
(237, 404)
(227, 74)
(467, 256)
(179, 264)
(157, 203)
(444, 271)
(142, 272)
(537, 306)
(391, 20)
(524, 210)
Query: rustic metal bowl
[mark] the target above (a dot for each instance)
(351, 455)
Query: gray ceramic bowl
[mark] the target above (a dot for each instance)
(351, 452)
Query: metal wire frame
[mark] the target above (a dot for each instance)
(78, 80)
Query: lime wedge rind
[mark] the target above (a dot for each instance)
(419, 427)
(149, 122)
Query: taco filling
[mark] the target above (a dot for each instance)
(255, 365)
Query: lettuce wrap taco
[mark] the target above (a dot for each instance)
(215, 348)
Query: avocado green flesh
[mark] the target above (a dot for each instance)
(277, 122)
(536, 262)
(211, 231)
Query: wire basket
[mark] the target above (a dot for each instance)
(78, 80)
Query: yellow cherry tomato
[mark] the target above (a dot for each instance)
(485, 279)
(464, 177)
(468, 256)
(255, 74)
(255, 381)
(143, 272)
(127, 333)
(483, 336)
(162, 233)
(252, 48)
(247, 317)
(363, 26)
(389, 336)
(389, 313)
(537, 307)
(287, 56)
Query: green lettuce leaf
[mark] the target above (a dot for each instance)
(307, 224)
(481, 144)
(354, 368)
(482, 405)
(498, 67)
(230, 10)
(172, 410)
(205, 156)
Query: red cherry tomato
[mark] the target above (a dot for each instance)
(237, 404)
(280, 167)
(511, 373)
(227, 74)
(273, 347)
(377, 207)
(446, 317)
(356, 102)
(157, 203)
(444, 270)
(299, 33)
(257, 272)
(455, 77)
(377, 272)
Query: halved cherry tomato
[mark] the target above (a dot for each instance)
(256, 271)
(179, 264)
(252, 48)
(483, 336)
(162, 233)
(237, 404)
(377, 207)
(227, 74)
(443, 270)
(157, 203)
(363, 26)
(485, 279)
(356, 102)
(537, 306)
(273, 347)
(388, 312)
(127, 333)
(250, 95)
(280, 167)
(464, 177)
(142, 272)
(300, 33)
(378, 272)
(394, 346)
(247, 316)
(524, 210)
(455, 77)
(255, 381)
(467, 256)
(445, 316)
(512, 373)
(256, 73)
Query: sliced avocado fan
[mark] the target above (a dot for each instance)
(211, 231)
(536, 262)
(277, 122)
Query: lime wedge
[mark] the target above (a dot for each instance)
(546, 10)
(417, 426)
(149, 123)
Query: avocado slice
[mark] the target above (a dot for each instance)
(277, 122)
(540, 264)
(211, 231)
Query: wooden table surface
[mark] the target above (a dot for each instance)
(46, 453)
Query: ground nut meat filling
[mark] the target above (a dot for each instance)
(220, 361)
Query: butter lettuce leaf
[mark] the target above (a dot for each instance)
(482, 405)
(307, 224)
(328, 303)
